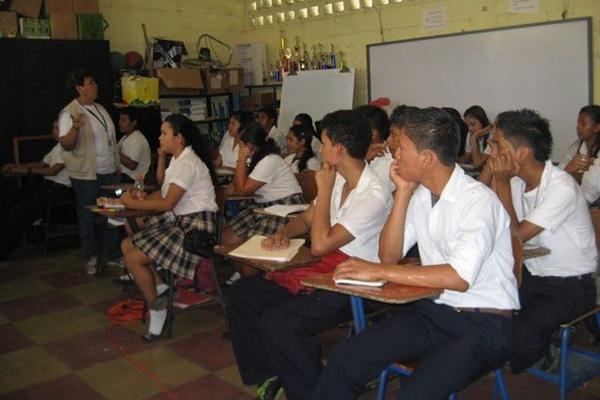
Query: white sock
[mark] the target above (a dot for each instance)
(157, 321)
(160, 288)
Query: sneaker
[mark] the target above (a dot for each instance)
(270, 389)
(90, 266)
(118, 263)
(233, 278)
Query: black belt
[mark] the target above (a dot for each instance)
(495, 311)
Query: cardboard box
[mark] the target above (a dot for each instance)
(139, 90)
(235, 79)
(85, 6)
(28, 8)
(63, 26)
(9, 26)
(54, 7)
(180, 78)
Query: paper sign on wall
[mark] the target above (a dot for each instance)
(435, 19)
(523, 6)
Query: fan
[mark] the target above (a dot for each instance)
(205, 59)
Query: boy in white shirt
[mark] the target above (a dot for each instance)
(548, 209)
(464, 240)
(133, 148)
(274, 321)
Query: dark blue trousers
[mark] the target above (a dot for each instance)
(453, 350)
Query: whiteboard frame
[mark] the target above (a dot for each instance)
(588, 20)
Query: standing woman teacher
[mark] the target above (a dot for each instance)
(87, 134)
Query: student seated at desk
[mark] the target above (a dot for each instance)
(301, 154)
(29, 205)
(379, 155)
(548, 209)
(274, 321)
(229, 147)
(464, 240)
(582, 160)
(476, 148)
(186, 200)
(133, 148)
(307, 123)
(267, 118)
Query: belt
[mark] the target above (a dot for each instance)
(496, 311)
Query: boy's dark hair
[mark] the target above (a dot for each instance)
(434, 129)
(350, 129)
(593, 111)
(191, 134)
(131, 112)
(77, 78)
(243, 117)
(255, 134)
(301, 132)
(527, 128)
(270, 111)
(378, 119)
(398, 118)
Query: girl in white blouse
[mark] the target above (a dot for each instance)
(300, 153)
(228, 149)
(186, 202)
(268, 177)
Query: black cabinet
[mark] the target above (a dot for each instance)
(33, 75)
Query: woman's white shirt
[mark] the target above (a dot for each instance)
(312, 163)
(191, 174)
(228, 150)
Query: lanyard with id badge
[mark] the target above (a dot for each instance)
(100, 118)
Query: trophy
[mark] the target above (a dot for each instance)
(343, 66)
(332, 58)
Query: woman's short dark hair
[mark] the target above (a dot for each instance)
(350, 129)
(527, 128)
(434, 129)
(464, 129)
(303, 134)
(254, 134)
(378, 119)
(184, 126)
(77, 78)
(479, 114)
(307, 122)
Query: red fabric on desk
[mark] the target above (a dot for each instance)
(290, 280)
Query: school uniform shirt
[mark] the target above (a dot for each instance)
(590, 181)
(312, 164)
(469, 229)
(51, 159)
(483, 147)
(189, 173)
(278, 177)
(381, 168)
(558, 206)
(279, 138)
(228, 150)
(104, 136)
(136, 147)
(363, 213)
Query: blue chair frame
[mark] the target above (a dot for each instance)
(567, 378)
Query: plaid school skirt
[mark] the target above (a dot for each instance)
(161, 239)
(248, 223)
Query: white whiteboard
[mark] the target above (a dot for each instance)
(546, 67)
(316, 93)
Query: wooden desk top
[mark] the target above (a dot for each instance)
(533, 252)
(301, 259)
(389, 293)
(128, 186)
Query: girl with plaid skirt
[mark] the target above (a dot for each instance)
(185, 202)
(268, 177)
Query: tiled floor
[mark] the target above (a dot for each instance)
(56, 342)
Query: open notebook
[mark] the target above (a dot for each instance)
(356, 282)
(251, 249)
(283, 210)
